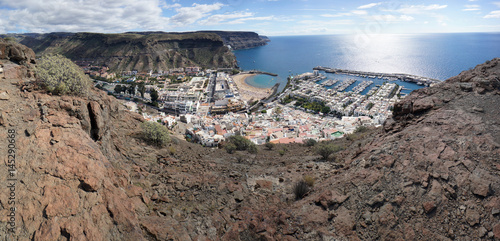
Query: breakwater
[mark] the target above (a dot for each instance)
(259, 72)
(424, 81)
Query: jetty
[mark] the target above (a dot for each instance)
(424, 81)
(259, 72)
(359, 88)
(345, 84)
(329, 82)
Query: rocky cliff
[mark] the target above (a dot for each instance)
(241, 40)
(235, 39)
(135, 51)
(84, 173)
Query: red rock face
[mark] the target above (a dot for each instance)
(496, 231)
(16, 53)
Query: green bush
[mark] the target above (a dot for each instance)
(60, 76)
(326, 149)
(282, 152)
(269, 145)
(171, 150)
(361, 129)
(309, 180)
(155, 133)
(252, 148)
(310, 142)
(240, 142)
(300, 189)
(230, 148)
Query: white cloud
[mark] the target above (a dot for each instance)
(359, 12)
(243, 20)
(471, 8)
(189, 15)
(406, 18)
(493, 14)
(175, 5)
(371, 5)
(429, 10)
(76, 15)
(390, 18)
(420, 9)
(497, 4)
(218, 18)
(336, 15)
(353, 12)
(325, 23)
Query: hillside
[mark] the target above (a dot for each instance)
(431, 173)
(236, 39)
(135, 51)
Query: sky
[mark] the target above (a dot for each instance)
(266, 17)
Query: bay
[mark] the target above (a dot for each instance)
(437, 56)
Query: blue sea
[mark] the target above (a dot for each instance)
(437, 56)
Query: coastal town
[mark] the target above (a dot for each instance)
(207, 106)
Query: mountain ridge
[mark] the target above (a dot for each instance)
(134, 51)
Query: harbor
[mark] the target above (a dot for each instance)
(419, 80)
(344, 85)
(330, 82)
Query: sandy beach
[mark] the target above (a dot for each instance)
(248, 92)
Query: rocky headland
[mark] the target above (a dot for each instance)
(85, 173)
(241, 40)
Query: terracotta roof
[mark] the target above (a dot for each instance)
(286, 140)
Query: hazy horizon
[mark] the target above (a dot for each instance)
(493, 32)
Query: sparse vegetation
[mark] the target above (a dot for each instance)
(155, 133)
(171, 150)
(369, 106)
(269, 145)
(60, 76)
(361, 129)
(230, 148)
(154, 95)
(240, 142)
(358, 134)
(300, 189)
(309, 180)
(325, 149)
(286, 100)
(252, 149)
(310, 142)
(282, 152)
(118, 89)
(240, 158)
(312, 105)
(235, 71)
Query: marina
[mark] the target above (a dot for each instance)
(419, 80)
(361, 87)
(345, 84)
(373, 91)
(330, 82)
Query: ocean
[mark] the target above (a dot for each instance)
(437, 56)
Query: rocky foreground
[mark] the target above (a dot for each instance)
(84, 173)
